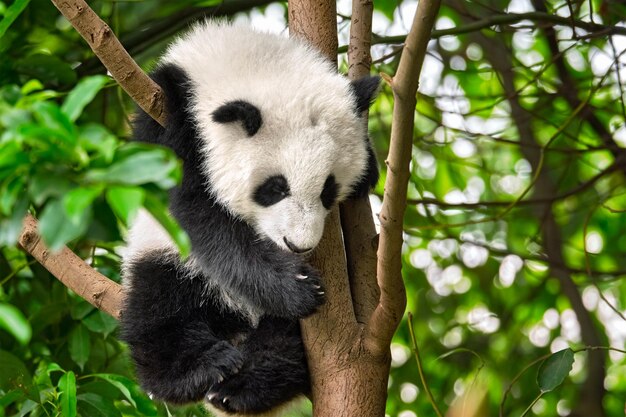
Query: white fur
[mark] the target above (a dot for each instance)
(146, 235)
(310, 128)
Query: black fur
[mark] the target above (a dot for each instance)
(369, 178)
(240, 110)
(187, 345)
(272, 190)
(329, 192)
(186, 341)
(364, 90)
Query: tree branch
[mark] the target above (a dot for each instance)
(360, 237)
(155, 31)
(506, 19)
(404, 85)
(72, 271)
(531, 201)
(145, 92)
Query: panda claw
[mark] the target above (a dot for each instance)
(225, 400)
(321, 292)
(211, 396)
(300, 276)
(317, 287)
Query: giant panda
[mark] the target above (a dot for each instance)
(271, 138)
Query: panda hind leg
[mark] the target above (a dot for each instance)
(176, 334)
(274, 371)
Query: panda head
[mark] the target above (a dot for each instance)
(281, 134)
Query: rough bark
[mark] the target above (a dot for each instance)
(360, 237)
(72, 271)
(404, 86)
(315, 21)
(145, 92)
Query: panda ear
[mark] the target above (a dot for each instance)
(239, 111)
(365, 90)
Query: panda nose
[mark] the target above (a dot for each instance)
(294, 248)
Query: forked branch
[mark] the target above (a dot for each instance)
(145, 92)
(392, 303)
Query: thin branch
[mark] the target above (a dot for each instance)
(420, 368)
(404, 85)
(506, 19)
(359, 56)
(72, 271)
(155, 31)
(359, 231)
(588, 261)
(532, 201)
(145, 92)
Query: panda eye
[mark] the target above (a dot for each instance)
(329, 192)
(271, 191)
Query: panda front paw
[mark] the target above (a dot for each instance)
(305, 293)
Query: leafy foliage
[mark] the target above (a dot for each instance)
(514, 229)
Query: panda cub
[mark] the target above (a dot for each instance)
(271, 138)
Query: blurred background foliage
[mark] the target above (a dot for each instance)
(514, 231)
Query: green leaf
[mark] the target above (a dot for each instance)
(11, 227)
(121, 383)
(130, 390)
(31, 86)
(81, 309)
(94, 405)
(555, 369)
(79, 199)
(12, 155)
(11, 14)
(99, 322)
(387, 7)
(42, 186)
(9, 193)
(67, 387)
(53, 367)
(56, 229)
(13, 373)
(79, 345)
(47, 67)
(95, 137)
(151, 165)
(49, 115)
(144, 404)
(125, 201)
(9, 398)
(13, 321)
(82, 94)
(160, 212)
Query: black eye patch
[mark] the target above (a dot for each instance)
(329, 192)
(240, 110)
(271, 191)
